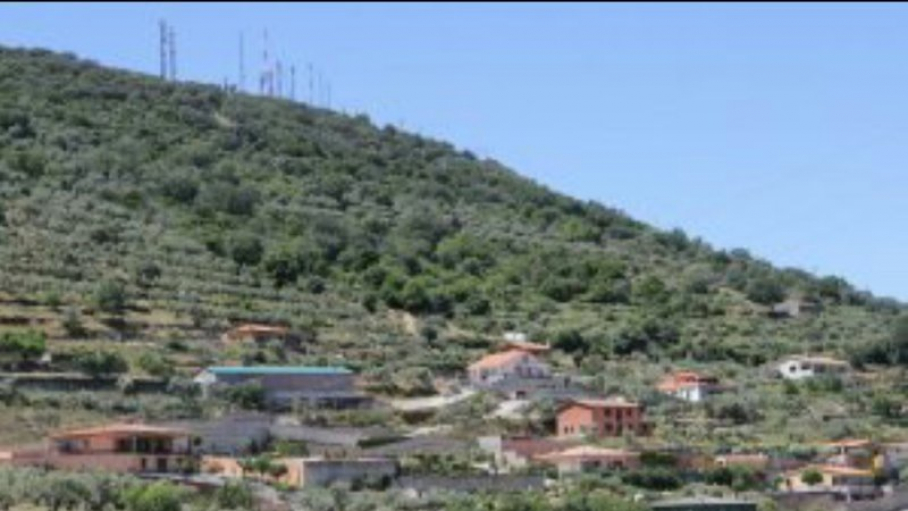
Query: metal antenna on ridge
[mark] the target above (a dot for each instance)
(311, 84)
(292, 82)
(279, 71)
(173, 54)
(162, 27)
(263, 81)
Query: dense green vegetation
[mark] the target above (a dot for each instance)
(142, 213)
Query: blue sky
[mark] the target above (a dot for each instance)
(780, 128)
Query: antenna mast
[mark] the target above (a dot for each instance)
(162, 27)
(173, 54)
(279, 71)
(292, 82)
(311, 85)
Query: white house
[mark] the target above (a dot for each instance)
(513, 363)
(799, 368)
(689, 386)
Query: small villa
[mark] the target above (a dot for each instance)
(689, 386)
(126, 448)
(600, 418)
(514, 363)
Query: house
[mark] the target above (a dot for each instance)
(856, 453)
(842, 482)
(689, 386)
(587, 458)
(513, 363)
(704, 503)
(125, 448)
(285, 385)
(600, 417)
(801, 367)
(794, 308)
(255, 332)
(510, 453)
(313, 471)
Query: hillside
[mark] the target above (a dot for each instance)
(159, 213)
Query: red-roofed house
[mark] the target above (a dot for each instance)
(600, 417)
(513, 363)
(689, 386)
(127, 447)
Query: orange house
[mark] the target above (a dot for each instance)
(128, 448)
(600, 418)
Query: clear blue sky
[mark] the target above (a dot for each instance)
(780, 128)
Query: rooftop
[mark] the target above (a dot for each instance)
(496, 360)
(611, 402)
(527, 346)
(586, 452)
(122, 429)
(262, 370)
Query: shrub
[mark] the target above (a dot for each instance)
(246, 249)
(101, 363)
(110, 296)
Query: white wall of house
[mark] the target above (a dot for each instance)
(693, 393)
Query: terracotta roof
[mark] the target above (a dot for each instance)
(587, 452)
(527, 346)
(849, 442)
(612, 402)
(683, 379)
(122, 429)
(496, 360)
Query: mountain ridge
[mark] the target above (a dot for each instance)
(160, 211)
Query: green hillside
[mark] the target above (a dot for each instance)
(135, 210)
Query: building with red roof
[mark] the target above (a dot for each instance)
(601, 418)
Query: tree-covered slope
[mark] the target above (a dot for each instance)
(164, 212)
